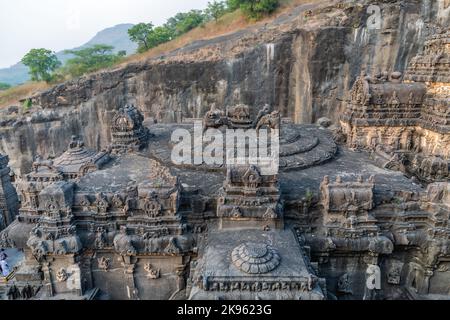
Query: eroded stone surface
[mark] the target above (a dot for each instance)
(300, 146)
(136, 226)
(255, 258)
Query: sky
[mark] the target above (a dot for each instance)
(65, 24)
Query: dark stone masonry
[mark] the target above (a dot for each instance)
(102, 212)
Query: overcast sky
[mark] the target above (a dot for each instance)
(65, 24)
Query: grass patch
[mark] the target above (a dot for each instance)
(13, 95)
(229, 23)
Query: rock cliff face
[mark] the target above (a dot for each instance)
(302, 63)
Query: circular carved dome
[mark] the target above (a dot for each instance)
(255, 258)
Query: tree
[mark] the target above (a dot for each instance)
(234, 4)
(4, 86)
(215, 9)
(254, 9)
(42, 63)
(185, 21)
(91, 59)
(139, 34)
(159, 35)
(147, 36)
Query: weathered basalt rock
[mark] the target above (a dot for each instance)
(302, 64)
(133, 225)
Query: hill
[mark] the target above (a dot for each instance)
(116, 36)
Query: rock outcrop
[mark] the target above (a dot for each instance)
(302, 63)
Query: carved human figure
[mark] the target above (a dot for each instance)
(172, 248)
(152, 273)
(100, 241)
(61, 275)
(344, 285)
(104, 263)
(272, 121)
(263, 112)
(152, 242)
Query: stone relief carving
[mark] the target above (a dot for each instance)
(62, 275)
(255, 258)
(272, 121)
(402, 124)
(104, 263)
(247, 194)
(394, 272)
(100, 239)
(101, 203)
(344, 285)
(152, 242)
(346, 206)
(214, 119)
(152, 207)
(152, 273)
(128, 132)
(172, 248)
(123, 243)
(419, 104)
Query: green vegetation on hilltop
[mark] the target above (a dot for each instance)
(90, 59)
(215, 10)
(220, 17)
(254, 9)
(140, 34)
(185, 21)
(148, 37)
(45, 66)
(42, 63)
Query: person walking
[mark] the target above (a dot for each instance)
(4, 264)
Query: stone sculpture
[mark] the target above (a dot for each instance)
(383, 107)
(129, 224)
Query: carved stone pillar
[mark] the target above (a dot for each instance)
(129, 278)
(48, 279)
(181, 281)
(426, 281)
(87, 281)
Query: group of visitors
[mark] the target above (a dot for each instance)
(4, 267)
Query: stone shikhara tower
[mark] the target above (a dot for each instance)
(9, 202)
(405, 124)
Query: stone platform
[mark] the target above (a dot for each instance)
(301, 146)
(254, 265)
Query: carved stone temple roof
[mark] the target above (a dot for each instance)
(76, 162)
(254, 264)
(421, 99)
(375, 100)
(127, 130)
(250, 197)
(256, 258)
(433, 65)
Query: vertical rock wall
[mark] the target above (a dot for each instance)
(304, 72)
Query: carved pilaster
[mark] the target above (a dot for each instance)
(128, 269)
